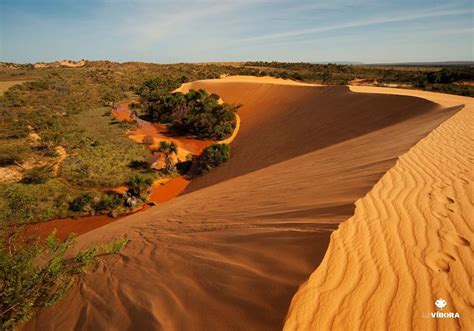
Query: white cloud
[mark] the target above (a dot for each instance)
(363, 23)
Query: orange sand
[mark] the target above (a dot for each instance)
(160, 193)
(231, 253)
(409, 242)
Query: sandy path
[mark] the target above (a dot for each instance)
(302, 157)
(409, 242)
(62, 155)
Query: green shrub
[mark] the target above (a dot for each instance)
(27, 203)
(116, 246)
(19, 205)
(184, 167)
(50, 152)
(37, 175)
(213, 156)
(45, 150)
(108, 202)
(85, 258)
(139, 165)
(82, 202)
(157, 85)
(38, 275)
(135, 106)
(168, 147)
(18, 130)
(138, 185)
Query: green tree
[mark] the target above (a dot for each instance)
(82, 203)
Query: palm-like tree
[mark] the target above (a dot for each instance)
(168, 149)
(138, 185)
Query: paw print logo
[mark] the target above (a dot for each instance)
(441, 303)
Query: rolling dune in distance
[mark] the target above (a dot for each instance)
(231, 252)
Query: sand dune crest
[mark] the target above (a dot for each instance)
(409, 243)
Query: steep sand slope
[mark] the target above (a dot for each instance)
(409, 242)
(282, 122)
(231, 255)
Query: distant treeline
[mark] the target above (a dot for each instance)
(448, 79)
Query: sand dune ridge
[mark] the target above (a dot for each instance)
(409, 243)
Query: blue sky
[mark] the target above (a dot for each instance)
(224, 30)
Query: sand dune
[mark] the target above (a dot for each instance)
(244, 79)
(409, 242)
(230, 254)
(282, 121)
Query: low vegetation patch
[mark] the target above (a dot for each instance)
(38, 275)
(12, 154)
(138, 186)
(213, 156)
(71, 108)
(100, 152)
(35, 202)
(37, 175)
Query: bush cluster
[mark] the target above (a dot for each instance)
(37, 175)
(82, 203)
(431, 78)
(213, 156)
(92, 203)
(138, 186)
(195, 113)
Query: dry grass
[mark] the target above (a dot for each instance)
(6, 85)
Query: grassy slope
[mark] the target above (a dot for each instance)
(65, 107)
(6, 85)
(100, 150)
(102, 155)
